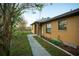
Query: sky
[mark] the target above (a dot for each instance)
(50, 11)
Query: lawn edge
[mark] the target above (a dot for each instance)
(56, 46)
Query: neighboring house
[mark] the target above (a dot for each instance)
(64, 27)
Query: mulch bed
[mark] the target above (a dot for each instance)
(71, 50)
(67, 48)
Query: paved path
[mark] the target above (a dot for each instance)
(37, 49)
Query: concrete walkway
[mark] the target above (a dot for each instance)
(37, 49)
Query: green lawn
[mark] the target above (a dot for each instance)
(20, 45)
(51, 49)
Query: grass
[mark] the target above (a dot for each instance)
(51, 49)
(20, 45)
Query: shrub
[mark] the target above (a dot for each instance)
(56, 41)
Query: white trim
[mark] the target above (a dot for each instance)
(57, 47)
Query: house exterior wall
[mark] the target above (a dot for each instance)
(43, 29)
(36, 28)
(40, 29)
(45, 34)
(33, 28)
(69, 36)
(78, 29)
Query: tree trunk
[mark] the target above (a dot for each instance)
(6, 33)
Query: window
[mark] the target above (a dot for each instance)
(48, 28)
(62, 24)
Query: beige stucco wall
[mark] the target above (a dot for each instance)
(45, 34)
(71, 35)
(77, 30)
(37, 28)
(33, 28)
